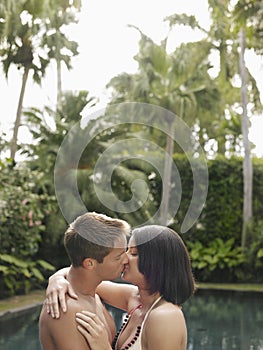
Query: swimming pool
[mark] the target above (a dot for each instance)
(225, 321)
(215, 321)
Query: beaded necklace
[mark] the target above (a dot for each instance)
(138, 328)
(125, 321)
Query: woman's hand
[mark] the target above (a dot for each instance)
(94, 331)
(56, 291)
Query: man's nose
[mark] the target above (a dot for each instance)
(125, 258)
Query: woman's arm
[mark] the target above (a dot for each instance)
(115, 294)
(56, 291)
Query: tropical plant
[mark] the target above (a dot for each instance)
(247, 17)
(22, 215)
(20, 212)
(22, 25)
(178, 82)
(218, 255)
(49, 128)
(20, 275)
(223, 40)
(227, 37)
(56, 44)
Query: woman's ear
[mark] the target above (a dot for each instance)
(89, 263)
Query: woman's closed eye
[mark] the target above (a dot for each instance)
(132, 252)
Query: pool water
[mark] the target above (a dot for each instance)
(215, 321)
(225, 321)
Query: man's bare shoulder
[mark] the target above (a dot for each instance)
(52, 331)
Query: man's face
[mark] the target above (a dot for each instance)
(113, 263)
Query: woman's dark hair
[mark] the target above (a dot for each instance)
(165, 262)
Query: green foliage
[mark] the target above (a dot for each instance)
(177, 81)
(223, 217)
(254, 250)
(223, 39)
(21, 215)
(21, 36)
(249, 14)
(48, 129)
(19, 275)
(23, 212)
(218, 255)
(221, 221)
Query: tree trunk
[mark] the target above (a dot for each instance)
(167, 176)
(59, 85)
(247, 161)
(19, 114)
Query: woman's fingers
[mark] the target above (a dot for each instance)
(56, 296)
(71, 292)
(91, 323)
(49, 306)
(87, 326)
(62, 301)
(91, 316)
(93, 329)
(84, 332)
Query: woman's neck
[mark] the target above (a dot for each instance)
(147, 299)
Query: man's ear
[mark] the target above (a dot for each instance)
(89, 263)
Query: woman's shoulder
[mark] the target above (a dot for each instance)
(165, 314)
(165, 327)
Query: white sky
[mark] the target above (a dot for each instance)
(107, 47)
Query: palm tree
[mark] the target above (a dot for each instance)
(223, 41)
(22, 24)
(56, 44)
(248, 19)
(178, 82)
(17, 47)
(227, 23)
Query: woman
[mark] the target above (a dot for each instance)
(159, 266)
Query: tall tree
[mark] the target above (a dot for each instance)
(19, 29)
(22, 24)
(223, 39)
(54, 40)
(249, 17)
(247, 161)
(178, 82)
(228, 32)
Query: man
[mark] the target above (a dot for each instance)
(96, 246)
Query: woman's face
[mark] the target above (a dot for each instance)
(131, 271)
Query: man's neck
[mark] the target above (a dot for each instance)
(82, 282)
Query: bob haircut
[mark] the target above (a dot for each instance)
(165, 263)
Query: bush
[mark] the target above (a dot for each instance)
(22, 214)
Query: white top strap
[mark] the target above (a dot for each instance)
(146, 316)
